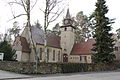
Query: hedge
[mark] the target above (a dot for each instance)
(50, 68)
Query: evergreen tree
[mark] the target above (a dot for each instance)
(6, 48)
(104, 43)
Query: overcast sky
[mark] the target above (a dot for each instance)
(87, 6)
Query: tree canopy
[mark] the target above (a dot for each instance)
(6, 48)
(104, 43)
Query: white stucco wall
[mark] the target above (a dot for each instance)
(25, 57)
(18, 55)
(50, 54)
(67, 39)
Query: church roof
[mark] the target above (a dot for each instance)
(24, 44)
(69, 21)
(68, 14)
(83, 48)
(21, 43)
(52, 39)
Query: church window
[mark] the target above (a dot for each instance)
(48, 54)
(80, 58)
(116, 48)
(58, 55)
(40, 53)
(53, 55)
(65, 49)
(65, 29)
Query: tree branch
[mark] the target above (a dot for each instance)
(34, 5)
(55, 16)
(16, 17)
(23, 4)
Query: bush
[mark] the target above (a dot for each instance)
(73, 67)
(51, 68)
(84, 67)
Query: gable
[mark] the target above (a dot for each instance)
(20, 44)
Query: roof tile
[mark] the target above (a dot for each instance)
(83, 47)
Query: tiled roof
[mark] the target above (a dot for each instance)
(24, 44)
(38, 35)
(83, 47)
(52, 40)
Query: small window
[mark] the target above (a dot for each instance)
(85, 58)
(53, 55)
(40, 53)
(65, 49)
(65, 29)
(116, 48)
(48, 54)
(58, 55)
(80, 58)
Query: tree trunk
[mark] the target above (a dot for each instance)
(33, 46)
(45, 33)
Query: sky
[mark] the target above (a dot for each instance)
(87, 6)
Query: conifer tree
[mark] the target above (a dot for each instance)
(6, 48)
(104, 43)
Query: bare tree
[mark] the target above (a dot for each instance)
(51, 12)
(27, 8)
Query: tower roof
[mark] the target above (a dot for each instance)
(68, 14)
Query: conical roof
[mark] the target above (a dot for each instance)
(68, 14)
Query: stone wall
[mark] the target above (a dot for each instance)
(50, 68)
(29, 68)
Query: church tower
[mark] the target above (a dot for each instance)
(67, 36)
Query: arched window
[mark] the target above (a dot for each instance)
(40, 53)
(48, 54)
(58, 55)
(53, 55)
(65, 29)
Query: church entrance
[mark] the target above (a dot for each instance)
(65, 58)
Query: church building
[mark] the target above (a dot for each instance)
(62, 48)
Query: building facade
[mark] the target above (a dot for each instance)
(62, 48)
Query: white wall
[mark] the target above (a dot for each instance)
(18, 55)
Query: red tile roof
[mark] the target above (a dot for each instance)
(53, 40)
(83, 47)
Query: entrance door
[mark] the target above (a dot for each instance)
(65, 58)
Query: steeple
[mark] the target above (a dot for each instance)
(68, 14)
(67, 36)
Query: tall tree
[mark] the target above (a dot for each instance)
(6, 48)
(104, 43)
(51, 12)
(37, 24)
(27, 8)
(83, 24)
(56, 29)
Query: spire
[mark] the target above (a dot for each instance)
(68, 14)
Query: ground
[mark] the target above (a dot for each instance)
(109, 75)
(9, 75)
